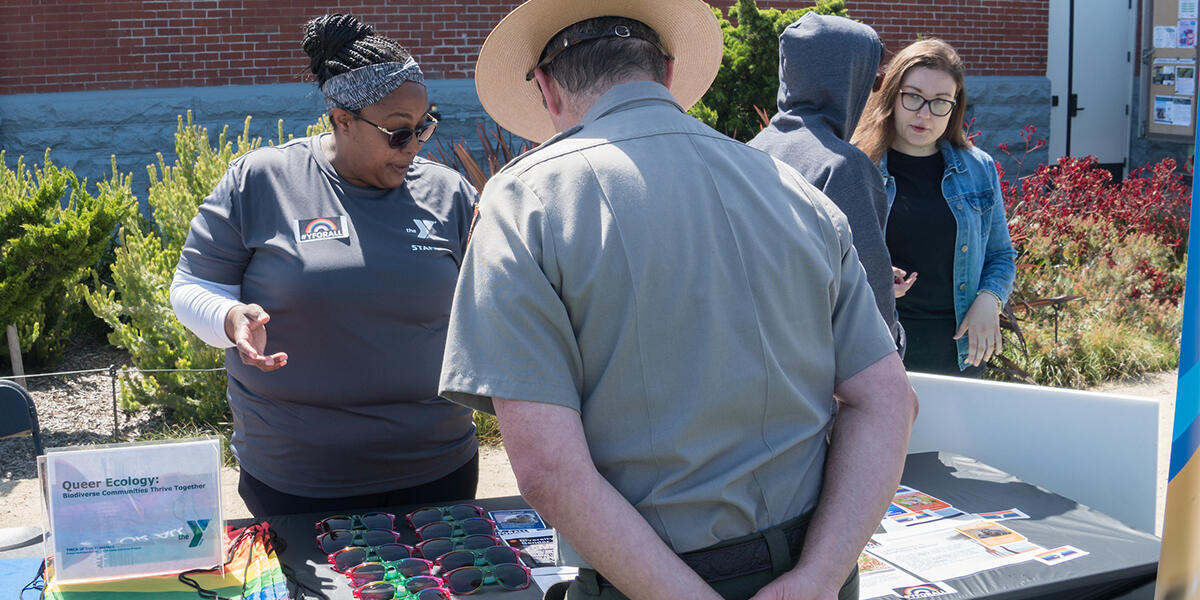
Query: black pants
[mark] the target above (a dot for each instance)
(590, 585)
(263, 500)
(933, 349)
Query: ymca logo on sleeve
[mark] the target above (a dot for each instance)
(321, 228)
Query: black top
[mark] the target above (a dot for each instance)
(921, 233)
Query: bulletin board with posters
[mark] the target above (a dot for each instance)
(1170, 61)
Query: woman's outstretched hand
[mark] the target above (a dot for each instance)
(246, 326)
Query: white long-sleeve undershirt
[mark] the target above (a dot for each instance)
(201, 306)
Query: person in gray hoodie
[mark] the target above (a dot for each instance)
(827, 68)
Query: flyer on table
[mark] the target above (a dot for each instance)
(133, 509)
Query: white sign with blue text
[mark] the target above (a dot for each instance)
(128, 510)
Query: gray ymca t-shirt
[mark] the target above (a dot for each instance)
(358, 283)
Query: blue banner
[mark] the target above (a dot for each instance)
(1187, 393)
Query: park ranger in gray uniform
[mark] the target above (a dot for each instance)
(666, 321)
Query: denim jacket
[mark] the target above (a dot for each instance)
(985, 258)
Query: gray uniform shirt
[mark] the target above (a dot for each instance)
(694, 299)
(358, 283)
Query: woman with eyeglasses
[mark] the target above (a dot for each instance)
(326, 267)
(952, 258)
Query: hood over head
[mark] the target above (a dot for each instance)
(827, 66)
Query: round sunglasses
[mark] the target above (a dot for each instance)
(417, 588)
(472, 526)
(404, 570)
(353, 556)
(435, 548)
(372, 520)
(468, 580)
(490, 556)
(332, 541)
(430, 514)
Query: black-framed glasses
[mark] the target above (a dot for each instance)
(399, 138)
(938, 107)
(620, 31)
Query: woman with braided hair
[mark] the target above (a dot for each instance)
(348, 244)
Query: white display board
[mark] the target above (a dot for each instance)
(128, 510)
(1097, 449)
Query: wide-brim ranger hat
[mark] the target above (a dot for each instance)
(688, 30)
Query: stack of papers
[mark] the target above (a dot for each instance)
(925, 541)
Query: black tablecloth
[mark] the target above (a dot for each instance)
(1122, 559)
(1122, 563)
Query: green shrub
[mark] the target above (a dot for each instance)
(137, 303)
(48, 247)
(1107, 334)
(749, 75)
(1120, 248)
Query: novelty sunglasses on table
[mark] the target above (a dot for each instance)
(399, 138)
(404, 570)
(332, 541)
(372, 520)
(490, 556)
(435, 548)
(356, 555)
(386, 590)
(472, 526)
(429, 514)
(468, 580)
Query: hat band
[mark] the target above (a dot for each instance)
(620, 31)
(367, 85)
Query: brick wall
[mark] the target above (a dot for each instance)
(83, 45)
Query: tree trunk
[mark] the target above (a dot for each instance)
(14, 354)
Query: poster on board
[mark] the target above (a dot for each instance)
(1185, 79)
(1186, 33)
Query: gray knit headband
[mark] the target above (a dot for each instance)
(367, 85)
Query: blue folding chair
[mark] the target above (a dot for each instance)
(18, 415)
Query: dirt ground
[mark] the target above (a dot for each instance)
(19, 504)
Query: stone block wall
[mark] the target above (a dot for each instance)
(1002, 107)
(85, 129)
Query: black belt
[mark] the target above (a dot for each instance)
(743, 556)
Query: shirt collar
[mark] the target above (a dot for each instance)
(622, 96)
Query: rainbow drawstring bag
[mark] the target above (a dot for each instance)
(251, 572)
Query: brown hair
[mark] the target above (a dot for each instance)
(876, 130)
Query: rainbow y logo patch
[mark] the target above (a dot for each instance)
(321, 228)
